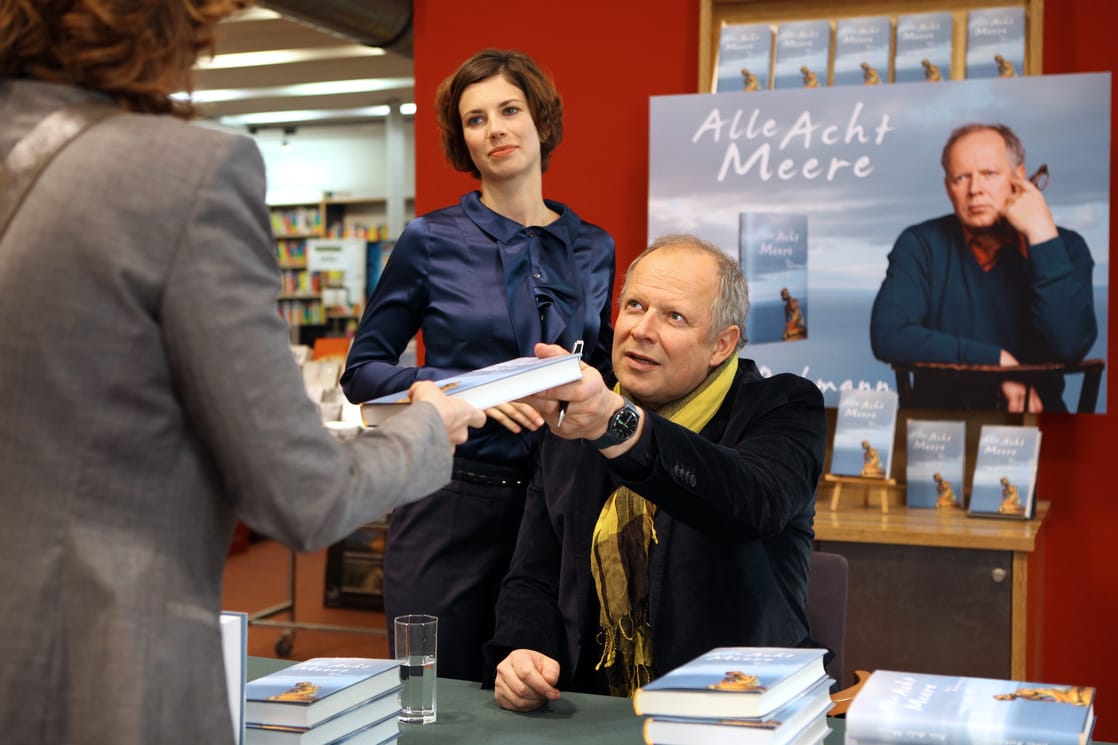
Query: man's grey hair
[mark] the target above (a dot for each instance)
(731, 304)
(1013, 143)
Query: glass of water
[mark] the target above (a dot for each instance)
(416, 643)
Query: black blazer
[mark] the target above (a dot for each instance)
(735, 506)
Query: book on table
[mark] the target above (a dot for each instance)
(367, 723)
(314, 690)
(732, 683)
(802, 721)
(864, 430)
(487, 386)
(234, 648)
(898, 708)
(935, 467)
(1005, 466)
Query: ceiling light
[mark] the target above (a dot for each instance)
(264, 118)
(322, 88)
(285, 56)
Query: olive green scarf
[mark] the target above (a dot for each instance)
(619, 555)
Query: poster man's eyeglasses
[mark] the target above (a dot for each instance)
(1040, 178)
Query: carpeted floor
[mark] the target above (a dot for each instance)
(258, 578)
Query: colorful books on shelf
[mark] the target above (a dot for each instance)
(996, 42)
(864, 430)
(862, 50)
(772, 252)
(1004, 482)
(802, 721)
(923, 48)
(896, 708)
(310, 692)
(487, 386)
(934, 473)
(803, 54)
(732, 683)
(744, 57)
(368, 723)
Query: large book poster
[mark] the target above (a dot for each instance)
(862, 164)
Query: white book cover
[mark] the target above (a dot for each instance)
(234, 648)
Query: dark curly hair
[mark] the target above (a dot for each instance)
(137, 51)
(544, 103)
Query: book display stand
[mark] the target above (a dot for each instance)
(884, 488)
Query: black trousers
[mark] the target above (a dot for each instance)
(446, 556)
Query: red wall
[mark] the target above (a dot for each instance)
(607, 59)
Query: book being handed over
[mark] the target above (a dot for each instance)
(489, 386)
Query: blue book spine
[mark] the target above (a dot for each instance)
(934, 475)
(996, 43)
(803, 51)
(772, 253)
(923, 49)
(862, 50)
(744, 57)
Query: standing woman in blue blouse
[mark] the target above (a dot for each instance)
(484, 280)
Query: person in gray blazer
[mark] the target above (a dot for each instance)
(149, 398)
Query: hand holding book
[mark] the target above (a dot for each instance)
(457, 414)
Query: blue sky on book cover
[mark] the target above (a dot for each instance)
(994, 33)
(772, 251)
(770, 665)
(330, 674)
(920, 37)
(742, 47)
(862, 50)
(899, 707)
(935, 447)
(1005, 452)
(863, 416)
(799, 45)
(863, 163)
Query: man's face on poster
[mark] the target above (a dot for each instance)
(980, 178)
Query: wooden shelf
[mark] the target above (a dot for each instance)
(939, 528)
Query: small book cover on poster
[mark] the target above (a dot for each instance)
(910, 708)
(803, 54)
(314, 690)
(368, 723)
(802, 721)
(934, 473)
(487, 386)
(862, 48)
(1005, 466)
(732, 683)
(864, 430)
(234, 648)
(744, 57)
(772, 253)
(923, 50)
(996, 42)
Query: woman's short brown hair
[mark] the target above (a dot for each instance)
(138, 52)
(544, 103)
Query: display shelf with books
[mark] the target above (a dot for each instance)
(920, 41)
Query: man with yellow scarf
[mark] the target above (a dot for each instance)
(671, 513)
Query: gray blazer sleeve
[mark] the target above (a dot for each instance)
(242, 391)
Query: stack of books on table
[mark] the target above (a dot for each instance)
(918, 708)
(325, 701)
(741, 695)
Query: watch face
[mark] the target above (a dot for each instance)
(622, 426)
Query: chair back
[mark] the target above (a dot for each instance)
(826, 606)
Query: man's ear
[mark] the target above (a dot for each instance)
(725, 344)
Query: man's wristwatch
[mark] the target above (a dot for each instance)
(622, 425)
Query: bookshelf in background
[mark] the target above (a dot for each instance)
(308, 299)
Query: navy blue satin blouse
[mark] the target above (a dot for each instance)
(484, 289)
